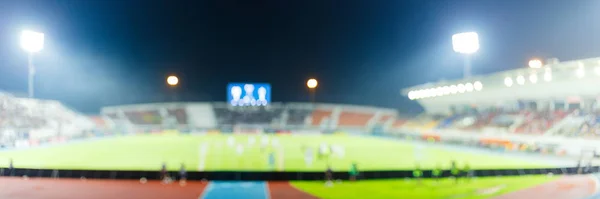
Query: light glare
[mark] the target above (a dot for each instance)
(478, 85)
(520, 80)
(32, 41)
(312, 83)
(533, 78)
(172, 80)
(465, 43)
(535, 63)
(508, 81)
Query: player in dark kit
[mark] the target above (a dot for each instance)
(329, 176)
(182, 175)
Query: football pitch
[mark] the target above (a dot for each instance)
(477, 188)
(235, 152)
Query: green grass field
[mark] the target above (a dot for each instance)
(445, 188)
(214, 152)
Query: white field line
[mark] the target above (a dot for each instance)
(203, 149)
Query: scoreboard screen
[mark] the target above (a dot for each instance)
(249, 94)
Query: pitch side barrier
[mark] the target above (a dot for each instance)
(277, 176)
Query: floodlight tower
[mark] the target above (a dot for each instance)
(31, 42)
(466, 43)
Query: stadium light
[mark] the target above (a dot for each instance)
(469, 87)
(477, 85)
(412, 95)
(508, 82)
(535, 63)
(453, 89)
(439, 91)
(580, 72)
(520, 80)
(312, 83)
(548, 75)
(446, 90)
(461, 88)
(31, 42)
(466, 43)
(533, 78)
(172, 80)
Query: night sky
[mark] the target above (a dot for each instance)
(108, 52)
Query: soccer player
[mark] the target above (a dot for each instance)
(182, 175)
(11, 168)
(417, 173)
(454, 171)
(467, 171)
(308, 156)
(272, 160)
(353, 171)
(329, 176)
(164, 175)
(437, 172)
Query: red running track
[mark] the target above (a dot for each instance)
(44, 188)
(18, 188)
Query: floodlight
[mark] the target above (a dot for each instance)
(548, 75)
(453, 89)
(469, 87)
(172, 80)
(312, 83)
(580, 72)
(32, 41)
(533, 78)
(508, 81)
(411, 95)
(461, 88)
(520, 80)
(439, 91)
(535, 63)
(446, 90)
(477, 85)
(465, 43)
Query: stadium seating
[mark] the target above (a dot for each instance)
(24, 118)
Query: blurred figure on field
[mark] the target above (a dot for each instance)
(164, 174)
(437, 172)
(308, 156)
(272, 160)
(454, 171)
(329, 176)
(467, 172)
(353, 171)
(11, 168)
(418, 173)
(182, 175)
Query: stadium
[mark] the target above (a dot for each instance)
(524, 133)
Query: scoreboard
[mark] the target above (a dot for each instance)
(249, 94)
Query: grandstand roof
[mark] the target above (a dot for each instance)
(573, 80)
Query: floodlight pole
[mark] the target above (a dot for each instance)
(467, 66)
(31, 75)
